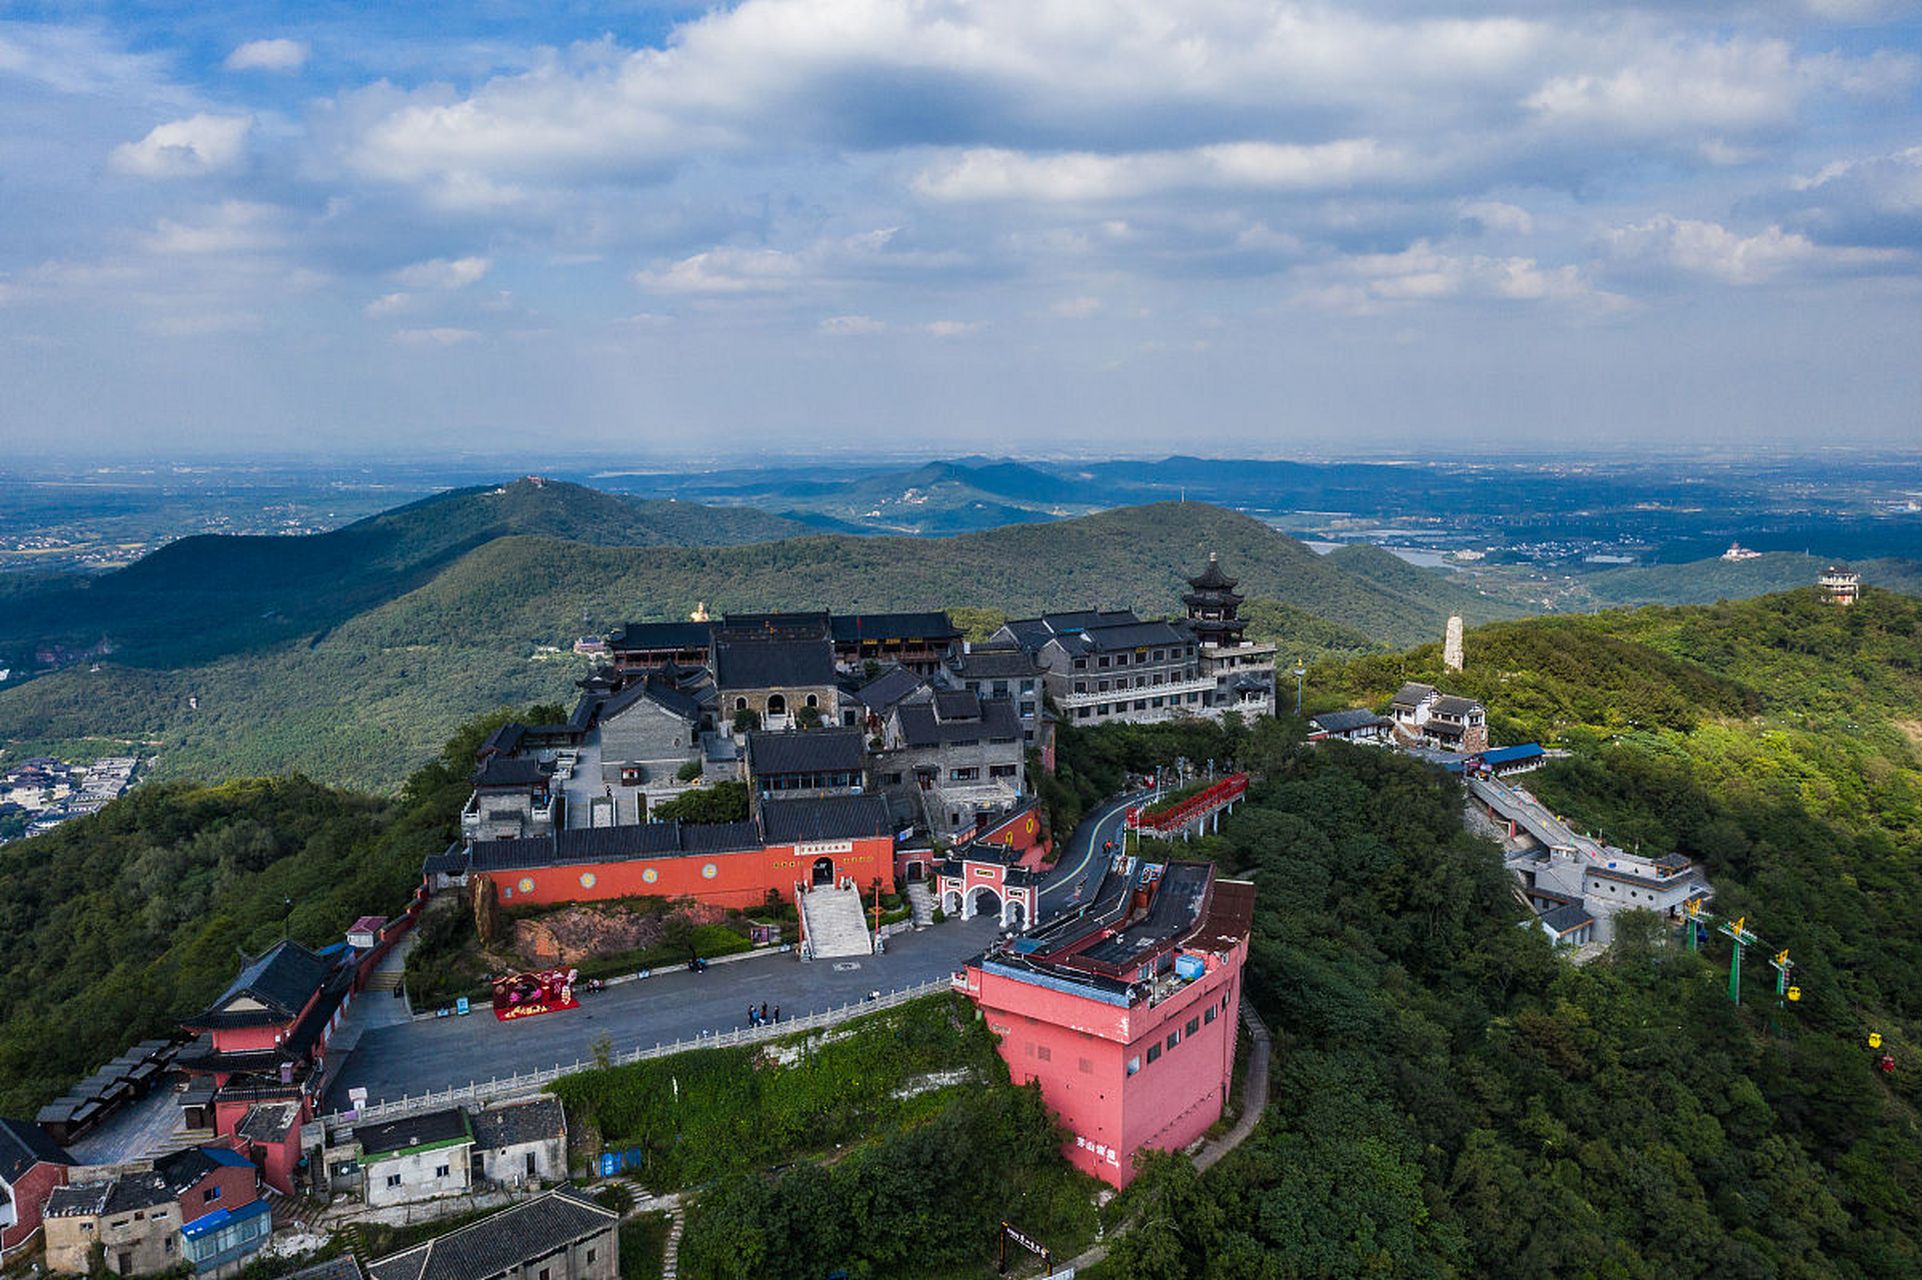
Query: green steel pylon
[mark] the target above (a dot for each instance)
(1742, 938)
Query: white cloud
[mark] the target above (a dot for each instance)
(388, 304)
(235, 226)
(1422, 273)
(951, 328)
(268, 55)
(1668, 245)
(438, 337)
(444, 273)
(189, 148)
(1494, 215)
(996, 174)
(1075, 308)
(851, 326)
(729, 270)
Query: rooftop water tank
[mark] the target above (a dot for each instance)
(1188, 968)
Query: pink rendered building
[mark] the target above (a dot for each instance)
(1124, 1010)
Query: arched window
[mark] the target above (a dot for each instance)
(813, 701)
(740, 704)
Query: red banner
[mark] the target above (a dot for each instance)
(528, 995)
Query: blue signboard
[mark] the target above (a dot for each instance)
(610, 1163)
(460, 1006)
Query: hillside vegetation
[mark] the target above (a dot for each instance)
(371, 696)
(114, 927)
(1454, 1099)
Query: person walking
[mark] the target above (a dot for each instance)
(763, 1011)
(750, 1015)
(777, 1013)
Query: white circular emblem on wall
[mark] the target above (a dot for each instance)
(709, 871)
(527, 884)
(650, 875)
(587, 879)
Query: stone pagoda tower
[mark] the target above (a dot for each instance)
(1212, 606)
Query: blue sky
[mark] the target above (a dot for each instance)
(1034, 226)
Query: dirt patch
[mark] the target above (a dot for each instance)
(1912, 729)
(578, 933)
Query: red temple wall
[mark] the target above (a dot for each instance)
(739, 879)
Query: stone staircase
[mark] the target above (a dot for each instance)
(920, 903)
(836, 925)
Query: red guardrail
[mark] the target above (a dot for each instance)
(1228, 789)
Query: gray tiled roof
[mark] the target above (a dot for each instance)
(1450, 705)
(825, 818)
(1567, 918)
(1412, 694)
(511, 771)
(412, 1131)
(283, 980)
(808, 751)
(538, 1120)
(662, 635)
(920, 727)
(888, 688)
(500, 1241)
(1347, 721)
(24, 1144)
(850, 628)
(123, 1194)
(772, 664)
(995, 664)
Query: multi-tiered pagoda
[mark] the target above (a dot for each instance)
(1212, 607)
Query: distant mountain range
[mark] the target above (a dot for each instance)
(349, 655)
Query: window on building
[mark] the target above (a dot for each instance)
(1134, 1065)
(590, 1257)
(1102, 661)
(1080, 664)
(1081, 713)
(440, 1171)
(1081, 686)
(169, 1244)
(1154, 1053)
(1101, 686)
(968, 774)
(1174, 1037)
(532, 1168)
(546, 1273)
(1000, 771)
(393, 1179)
(1194, 1025)
(1043, 1053)
(1087, 1066)
(1027, 710)
(210, 1195)
(1208, 1014)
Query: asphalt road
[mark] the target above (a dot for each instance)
(420, 1057)
(1077, 874)
(424, 1056)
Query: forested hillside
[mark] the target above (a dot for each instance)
(1452, 1098)
(114, 927)
(367, 698)
(203, 597)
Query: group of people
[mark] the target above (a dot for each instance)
(760, 1017)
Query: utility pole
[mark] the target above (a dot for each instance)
(1300, 673)
(1742, 938)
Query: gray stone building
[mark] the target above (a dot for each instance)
(952, 761)
(1003, 671)
(521, 1144)
(1110, 666)
(557, 1236)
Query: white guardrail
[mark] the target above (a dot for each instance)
(502, 1089)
